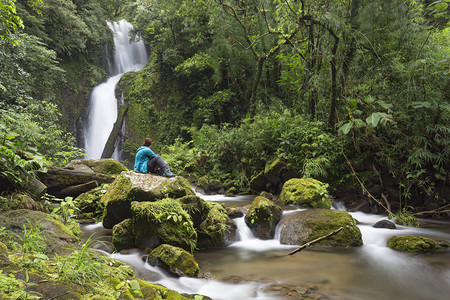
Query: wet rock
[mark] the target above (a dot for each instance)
(266, 195)
(162, 222)
(217, 230)
(306, 192)
(412, 243)
(300, 227)
(263, 217)
(123, 235)
(176, 261)
(132, 186)
(236, 211)
(385, 224)
(89, 202)
(104, 166)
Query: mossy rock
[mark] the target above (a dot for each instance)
(132, 186)
(20, 201)
(300, 227)
(90, 202)
(158, 292)
(174, 260)
(273, 170)
(54, 234)
(412, 243)
(123, 235)
(263, 217)
(217, 230)
(306, 192)
(259, 182)
(196, 207)
(107, 166)
(162, 222)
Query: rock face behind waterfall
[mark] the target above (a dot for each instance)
(300, 227)
(132, 186)
(263, 217)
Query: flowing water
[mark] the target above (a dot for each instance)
(128, 56)
(370, 272)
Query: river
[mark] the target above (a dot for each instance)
(244, 269)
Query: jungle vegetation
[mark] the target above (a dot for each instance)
(351, 92)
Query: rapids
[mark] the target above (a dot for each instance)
(371, 272)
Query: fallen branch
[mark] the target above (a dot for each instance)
(315, 241)
(434, 211)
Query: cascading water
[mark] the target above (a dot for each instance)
(103, 108)
(370, 272)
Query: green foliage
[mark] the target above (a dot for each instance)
(31, 241)
(66, 210)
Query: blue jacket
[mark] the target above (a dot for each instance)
(143, 155)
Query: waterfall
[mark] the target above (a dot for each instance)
(103, 103)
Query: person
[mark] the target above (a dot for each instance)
(147, 161)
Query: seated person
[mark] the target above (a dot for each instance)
(147, 161)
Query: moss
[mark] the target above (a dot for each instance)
(106, 166)
(123, 235)
(262, 217)
(115, 200)
(304, 226)
(196, 207)
(273, 170)
(175, 260)
(212, 231)
(90, 202)
(305, 192)
(3, 248)
(157, 292)
(258, 182)
(163, 222)
(412, 243)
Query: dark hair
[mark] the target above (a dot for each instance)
(147, 142)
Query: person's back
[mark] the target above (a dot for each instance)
(147, 161)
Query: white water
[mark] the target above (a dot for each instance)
(103, 103)
(370, 272)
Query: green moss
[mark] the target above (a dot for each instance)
(262, 209)
(90, 202)
(163, 222)
(305, 192)
(12, 288)
(123, 235)
(175, 260)
(412, 243)
(211, 232)
(105, 166)
(258, 182)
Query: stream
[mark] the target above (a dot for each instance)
(372, 271)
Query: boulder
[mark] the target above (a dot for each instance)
(217, 230)
(300, 227)
(271, 179)
(89, 202)
(385, 224)
(196, 207)
(306, 192)
(132, 186)
(235, 211)
(263, 217)
(176, 261)
(103, 166)
(411, 243)
(52, 233)
(259, 182)
(162, 222)
(123, 235)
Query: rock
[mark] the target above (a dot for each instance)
(123, 235)
(54, 233)
(307, 192)
(385, 224)
(217, 230)
(162, 222)
(274, 169)
(196, 207)
(411, 243)
(58, 179)
(259, 182)
(235, 211)
(210, 186)
(300, 227)
(103, 166)
(174, 260)
(132, 186)
(263, 217)
(266, 195)
(89, 202)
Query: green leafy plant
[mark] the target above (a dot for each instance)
(66, 210)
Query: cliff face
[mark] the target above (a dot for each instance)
(83, 73)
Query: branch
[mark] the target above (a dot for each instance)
(315, 241)
(437, 210)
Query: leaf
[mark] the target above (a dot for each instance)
(134, 285)
(346, 127)
(369, 99)
(373, 119)
(353, 103)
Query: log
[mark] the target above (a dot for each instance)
(315, 241)
(76, 190)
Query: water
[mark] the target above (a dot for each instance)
(371, 272)
(103, 103)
